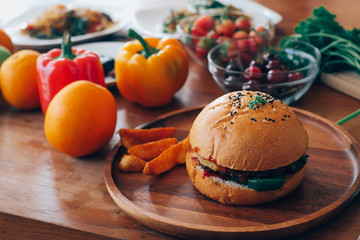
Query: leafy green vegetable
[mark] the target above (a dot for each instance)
(340, 48)
(255, 103)
(206, 4)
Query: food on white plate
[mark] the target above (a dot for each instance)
(194, 7)
(203, 32)
(77, 21)
(246, 148)
(169, 24)
(200, 6)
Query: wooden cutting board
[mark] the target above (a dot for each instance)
(170, 204)
(345, 82)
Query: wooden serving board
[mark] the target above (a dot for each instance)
(345, 82)
(170, 204)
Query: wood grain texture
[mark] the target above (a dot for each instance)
(45, 194)
(346, 82)
(169, 203)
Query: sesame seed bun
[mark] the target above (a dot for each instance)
(246, 131)
(241, 138)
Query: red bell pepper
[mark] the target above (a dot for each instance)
(59, 67)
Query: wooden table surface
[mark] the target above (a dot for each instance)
(47, 194)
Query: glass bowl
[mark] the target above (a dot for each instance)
(286, 70)
(199, 36)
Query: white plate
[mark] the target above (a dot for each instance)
(104, 48)
(121, 15)
(149, 20)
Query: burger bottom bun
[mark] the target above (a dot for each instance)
(232, 193)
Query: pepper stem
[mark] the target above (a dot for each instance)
(147, 50)
(66, 47)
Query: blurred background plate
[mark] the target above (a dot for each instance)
(121, 15)
(149, 17)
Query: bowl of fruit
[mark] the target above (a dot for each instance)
(285, 70)
(200, 33)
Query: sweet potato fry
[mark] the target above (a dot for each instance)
(164, 162)
(132, 137)
(184, 146)
(129, 163)
(150, 150)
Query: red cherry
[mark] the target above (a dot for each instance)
(275, 76)
(246, 58)
(253, 73)
(272, 64)
(294, 76)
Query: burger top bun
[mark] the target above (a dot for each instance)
(248, 131)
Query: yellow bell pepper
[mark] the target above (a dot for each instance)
(149, 70)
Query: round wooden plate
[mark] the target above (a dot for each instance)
(170, 204)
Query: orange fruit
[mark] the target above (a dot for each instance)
(18, 80)
(81, 118)
(5, 41)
